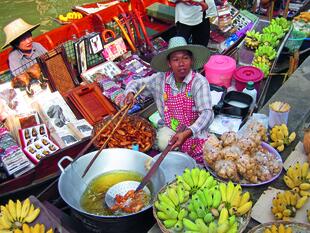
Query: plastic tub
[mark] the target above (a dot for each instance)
(219, 70)
(236, 104)
(244, 74)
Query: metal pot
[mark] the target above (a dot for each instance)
(71, 186)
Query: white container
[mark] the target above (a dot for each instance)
(250, 90)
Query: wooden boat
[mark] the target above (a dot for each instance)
(47, 168)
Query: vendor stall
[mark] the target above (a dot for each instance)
(72, 103)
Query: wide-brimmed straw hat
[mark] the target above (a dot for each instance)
(178, 43)
(15, 29)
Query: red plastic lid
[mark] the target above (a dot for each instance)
(248, 73)
(221, 62)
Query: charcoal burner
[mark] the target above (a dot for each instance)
(138, 223)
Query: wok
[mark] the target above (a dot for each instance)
(71, 186)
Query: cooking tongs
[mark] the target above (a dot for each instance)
(125, 110)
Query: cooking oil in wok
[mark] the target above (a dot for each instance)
(93, 197)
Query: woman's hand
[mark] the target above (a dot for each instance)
(179, 138)
(130, 98)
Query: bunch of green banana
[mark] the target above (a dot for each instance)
(205, 204)
(252, 39)
(170, 217)
(263, 66)
(236, 202)
(224, 224)
(308, 215)
(285, 204)
(268, 39)
(196, 179)
(169, 206)
(282, 22)
(280, 137)
(195, 202)
(266, 51)
(14, 214)
(253, 34)
(275, 31)
(278, 229)
(297, 178)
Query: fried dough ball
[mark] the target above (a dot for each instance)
(211, 154)
(247, 145)
(229, 138)
(247, 166)
(264, 173)
(226, 169)
(231, 153)
(214, 141)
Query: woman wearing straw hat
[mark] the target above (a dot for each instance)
(182, 95)
(25, 51)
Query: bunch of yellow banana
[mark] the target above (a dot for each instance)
(297, 178)
(38, 228)
(279, 106)
(252, 39)
(196, 179)
(70, 16)
(286, 203)
(278, 229)
(280, 137)
(232, 196)
(14, 214)
(303, 16)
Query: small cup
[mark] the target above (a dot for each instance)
(277, 118)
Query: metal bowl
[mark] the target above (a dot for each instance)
(174, 164)
(71, 186)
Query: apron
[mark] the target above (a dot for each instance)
(178, 111)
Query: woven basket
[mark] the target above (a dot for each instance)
(297, 227)
(134, 121)
(162, 227)
(159, 222)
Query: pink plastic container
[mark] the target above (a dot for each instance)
(244, 74)
(219, 70)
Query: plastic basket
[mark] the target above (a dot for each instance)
(295, 40)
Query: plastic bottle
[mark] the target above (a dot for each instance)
(135, 147)
(250, 90)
